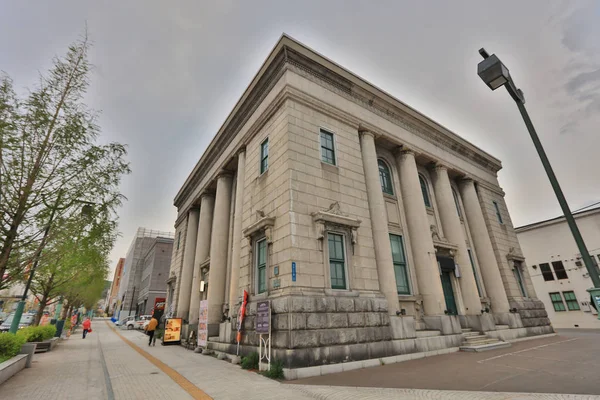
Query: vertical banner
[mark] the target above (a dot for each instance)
(203, 324)
(240, 321)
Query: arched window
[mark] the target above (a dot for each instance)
(385, 178)
(424, 190)
(456, 202)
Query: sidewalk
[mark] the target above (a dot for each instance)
(105, 366)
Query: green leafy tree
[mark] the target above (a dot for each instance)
(49, 159)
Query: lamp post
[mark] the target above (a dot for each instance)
(86, 210)
(495, 74)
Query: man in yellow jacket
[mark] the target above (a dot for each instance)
(150, 328)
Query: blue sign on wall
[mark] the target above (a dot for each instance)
(293, 271)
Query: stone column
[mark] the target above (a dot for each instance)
(187, 271)
(237, 232)
(428, 274)
(455, 233)
(218, 251)
(207, 202)
(483, 247)
(379, 223)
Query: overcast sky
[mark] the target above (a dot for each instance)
(167, 75)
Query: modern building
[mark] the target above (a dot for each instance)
(133, 268)
(112, 297)
(156, 265)
(557, 270)
(373, 230)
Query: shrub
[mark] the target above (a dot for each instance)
(37, 333)
(159, 333)
(276, 371)
(10, 345)
(250, 361)
(67, 325)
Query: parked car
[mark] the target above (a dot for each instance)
(143, 321)
(26, 320)
(3, 316)
(124, 321)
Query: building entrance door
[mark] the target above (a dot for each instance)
(447, 269)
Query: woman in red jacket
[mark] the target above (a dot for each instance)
(87, 326)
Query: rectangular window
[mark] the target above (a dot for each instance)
(178, 240)
(261, 265)
(264, 156)
(498, 215)
(399, 259)
(557, 302)
(559, 270)
(327, 147)
(337, 261)
(571, 300)
(546, 272)
(519, 277)
(474, 272)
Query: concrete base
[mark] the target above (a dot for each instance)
(225, 332)
(480, 323)
(513, 334)
(446, 324)
(11, 366)
(29, 350)
(513, 320)
(402, 327)
(213, 330)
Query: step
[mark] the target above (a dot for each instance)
(479, 342)
(428, 333)
(499, 327)
(420, 325)
(467, 330)
(213, 338)
(476, 337)
(471, 334)
(485, 347)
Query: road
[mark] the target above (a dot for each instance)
(114, 364)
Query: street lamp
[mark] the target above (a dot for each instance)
(86, 210)
(495, 74)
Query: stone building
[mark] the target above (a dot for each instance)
(111, 298)
(372, 229)
(557, 270)
(155, 272)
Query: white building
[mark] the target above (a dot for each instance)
(557, 270)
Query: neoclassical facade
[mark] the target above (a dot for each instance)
(373, 230)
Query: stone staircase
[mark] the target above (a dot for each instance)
(477, 341)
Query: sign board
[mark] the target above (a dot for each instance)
(203, 324)
(172, 330)
(263, 317)
(293, 271)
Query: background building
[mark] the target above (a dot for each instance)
(156, 264)
(112, 297)
(133, 267)
(557, 270)
(373, 230)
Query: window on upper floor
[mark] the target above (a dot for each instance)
(498, 215)
(327, 147)
(178, 240)
(399, 259)
(572, 303)
(518, 271)
(425, 190)
(385, 177)
(456, 202)
(337, 261)
(557, 302)
(546, 272)
(559, 270)
(264, 156)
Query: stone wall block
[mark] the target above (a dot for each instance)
(297, 321)
(251, 309)
(328, 337)
(356, 319)
(302, 304)
(337, 320)
(303, 339)
(316, 321)
(344, 304)
(379, 305)
(372, 319)
(362, 305)
(347, 335)
(364, 335)
(385, 319)
(280, 339)
(279, 305)
(249, 323)
(280, 322)
(325, 304)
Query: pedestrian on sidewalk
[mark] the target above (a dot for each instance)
(87, 326)
(150, 328)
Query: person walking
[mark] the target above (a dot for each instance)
(150, 328)
(87, 326)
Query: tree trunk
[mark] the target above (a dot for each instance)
(40, 312)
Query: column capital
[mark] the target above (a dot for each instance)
(438, 166)
(207, 193)
(364, 132)
(467, 179)
(240, 150)
(224, 173)
(403, 149)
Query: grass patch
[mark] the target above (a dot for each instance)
(250, 361)
(276, 371)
